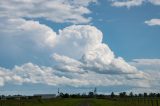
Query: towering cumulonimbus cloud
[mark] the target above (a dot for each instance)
(75, 55)
(78, 56)
(92, 54)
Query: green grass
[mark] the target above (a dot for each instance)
(78, 102)
(36, 102)
(126, 102)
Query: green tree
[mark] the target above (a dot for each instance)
(112, 95)
(131, 94)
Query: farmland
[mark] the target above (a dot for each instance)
(83, 102)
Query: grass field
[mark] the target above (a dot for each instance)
(82, 102)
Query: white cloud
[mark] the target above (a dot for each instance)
(145, 62)
(31, 73)
(81, 46)
(19, 31)
(81, 57)
(131, 3)
(153, 22)
(127, 3)
(143, 90)
(55, 10)
(150, 66)
(78, 39)
(155, 2)
(67, 64)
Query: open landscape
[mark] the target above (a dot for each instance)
(84, 102)
(92, 99)
(79, 52)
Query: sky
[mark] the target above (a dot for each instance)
(77, 45)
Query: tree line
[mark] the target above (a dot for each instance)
(112, 95)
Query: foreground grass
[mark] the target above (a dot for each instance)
(36, 102)
(126, 102)
(82, 102)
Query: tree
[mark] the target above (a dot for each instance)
(90, 94)
(145, 95)
(112, 95)
(158, 94)
(140, 95)
(66, 95)
(131, 94)
(122, 94)
(152, 95)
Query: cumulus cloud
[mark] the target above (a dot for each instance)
(80, 58)
(78, 39)
(31, 73)
(27, 39)
(131, 3)
(93, 55)
(79, 55)
(60, 11)
(153, 22)
(30, 29)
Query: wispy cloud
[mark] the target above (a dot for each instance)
(155, 2)
(132, 3)
(127, 3)
(150, 66)
(153, 22)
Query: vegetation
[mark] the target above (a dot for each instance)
(40, 102)
(90, 99)
(83, 102)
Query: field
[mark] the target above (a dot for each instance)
(83, 102)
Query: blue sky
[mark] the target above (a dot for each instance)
(77, 45)
(125, 27)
